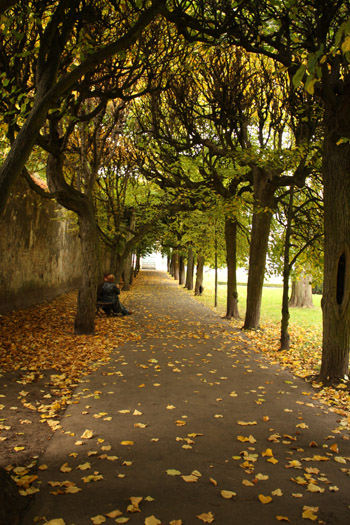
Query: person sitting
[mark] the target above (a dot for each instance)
(109, 293)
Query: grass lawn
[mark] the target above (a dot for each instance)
(271, 304)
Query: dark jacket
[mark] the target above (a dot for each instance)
(109, 293)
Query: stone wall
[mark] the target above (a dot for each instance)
(40, 254)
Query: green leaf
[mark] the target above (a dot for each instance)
(297, 78)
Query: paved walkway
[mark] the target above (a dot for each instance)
(196, 425)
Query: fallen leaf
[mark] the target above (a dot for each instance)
(309, 513)
(65, 468)
(152, 520)
(127, 443)
(173, 472)
(87, 434)
(206, 517)
(244, 439)
(282, 518)
(97, 520)
(314, 488)
(114, 514)
(247, 483)
(340, 459)
(228, 494)
(277, 492)
(265, 499)
(190, 479)
(84, 466)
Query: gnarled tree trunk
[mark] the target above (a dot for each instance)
(301, 292)
(81, 204)
(336, 287)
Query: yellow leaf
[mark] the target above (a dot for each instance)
(334, 448)
(272, 460)
(97, 520)
(228, 494)
(65, 468)
(249, 439)
(277, 492)
(314, 488)
(152, 520)
(282, 518)
(84, 466)
(114, 514)
(127, 443)
(173, 472)
(140, 425)
(247, 483)
(206, 517)
(72, 489)
(265, 499)
(87, 434)
(122, 520)
(246, 423)
(309, 513)
(262, 477)
(267, 453)
(190, 479)
(58, 521)
(134, 507)
(339, 459)
(214, 482)
(176, 522)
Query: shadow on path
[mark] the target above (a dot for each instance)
(197, 425)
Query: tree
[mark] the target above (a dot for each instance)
(61, 54)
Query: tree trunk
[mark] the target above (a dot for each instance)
(231, 259)
(82, 205)
(301, 293)
(336, 287)
(263, 205)
(127, 272)
(85, 317)
(182, 270)
(199, 275)
(176, 266)
(285, 338)
(190, 269)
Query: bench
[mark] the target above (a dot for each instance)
(100, 305)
